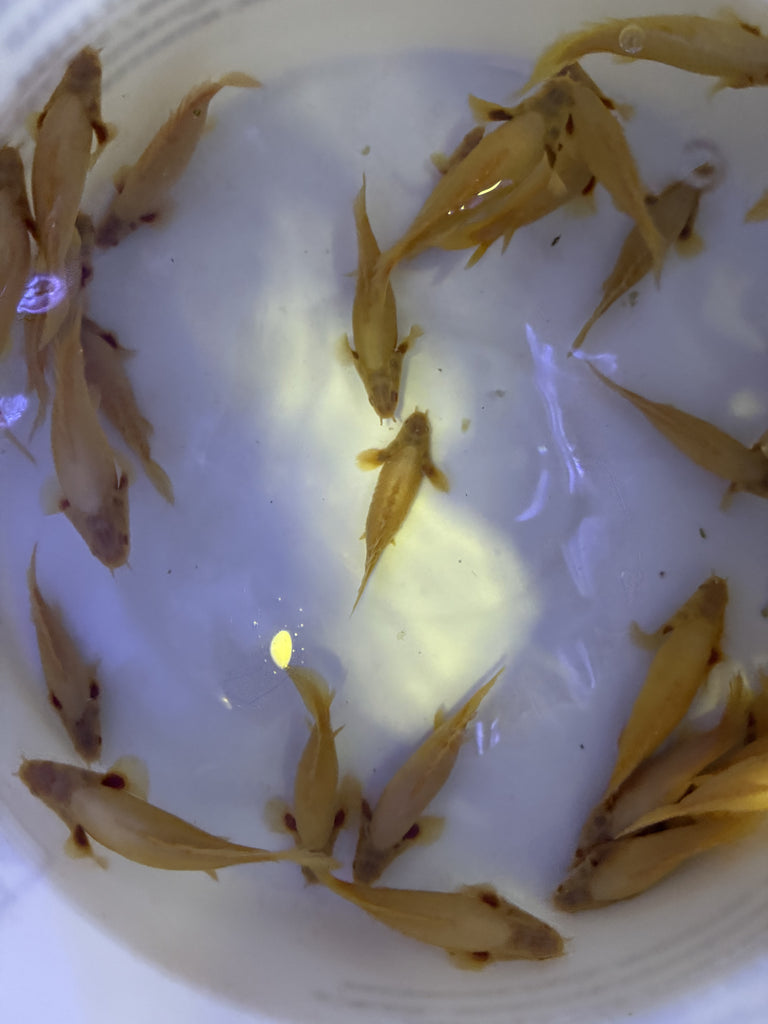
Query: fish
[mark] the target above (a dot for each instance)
(106, 377)
(689, 645)
(622, 868)
(476, 926)
(507, 154)
(709, 447)
(741, 787)
(40, 329)
(65, 132)
(378, 358)
(16, 227)
(404, 463)
(94, 494)
(731, 50)
(73, 689)
(320, 804)
(673, 211)
(101, 807)
(142, 190)
(396, 821)
(666, 776)
(600, 141)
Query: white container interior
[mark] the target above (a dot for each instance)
(568, 516)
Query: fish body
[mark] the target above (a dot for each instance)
(689, 647)
(622, 868)
(378, 357)
(73, 688)
(507, 154)
(732, 51)
(673, 212)
(65, 132)
(101, 806)
(411, 789)
(95, 494)
(105, 374)
(16, 224)
(404, 463)
(142, 189)
(475, 926)
(703, 443)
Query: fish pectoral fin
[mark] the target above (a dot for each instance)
(648, 641)
(431, 828)
(440, 161)
(436, 476)
(32, 124)
(346, 354)
(371, 458)
(440, 717)
(135, 774)
(78, 845)
(691, 245)
(759, 211)
(415, 332)
(120, 177)
(275, 814)
(52, 499)
(469, 961)
(727, 498)
(213, 874)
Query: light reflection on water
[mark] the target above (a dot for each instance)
(43, 293)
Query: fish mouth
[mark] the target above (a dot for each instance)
(383, 398)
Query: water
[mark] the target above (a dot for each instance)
(567, 517)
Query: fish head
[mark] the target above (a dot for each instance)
(47, 781)
(106, 532)
(383, 394)
(416, 427)
(83, 74)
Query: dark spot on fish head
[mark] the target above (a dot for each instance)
(685, 234)
(197, 112)
(550, 155)
(384, 397)
(715, 656)
(569, 125)
(413, 832)
(607, 102)
(94, 690)
(64, 505)
(589, 188)
(365, 810)
(86, 273)
(148, 218)
(289, 821)
(79, 837)
(666, 629)
(490, 898)
(499, 114)
(55, 701)
(339, 818)
(416, 426)
(482, 957)
(110, 339)
(114, 780)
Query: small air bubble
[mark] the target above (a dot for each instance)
(632, 39)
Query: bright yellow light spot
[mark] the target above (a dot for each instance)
(281, 648)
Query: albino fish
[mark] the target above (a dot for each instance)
(378, 357)
(731, 50)
(673, 211)
(65, 131)
(16, 225)
(703, 443)
(664, 777)
(106, 376)
(689, 645)
(404, 463)
(739, 788)
(622, 868)
(94, 493)
(396, 819)
(602, 145)
(73, 689)
(100, 806)
(475, 926)
(142, 189)
(320, 806)
(507, 154)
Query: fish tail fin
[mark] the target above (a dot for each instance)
(159, 479)
(469, 710)
(478, 254)
(578, 341)
(315, 693)
(238, 79)
(370, 564)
